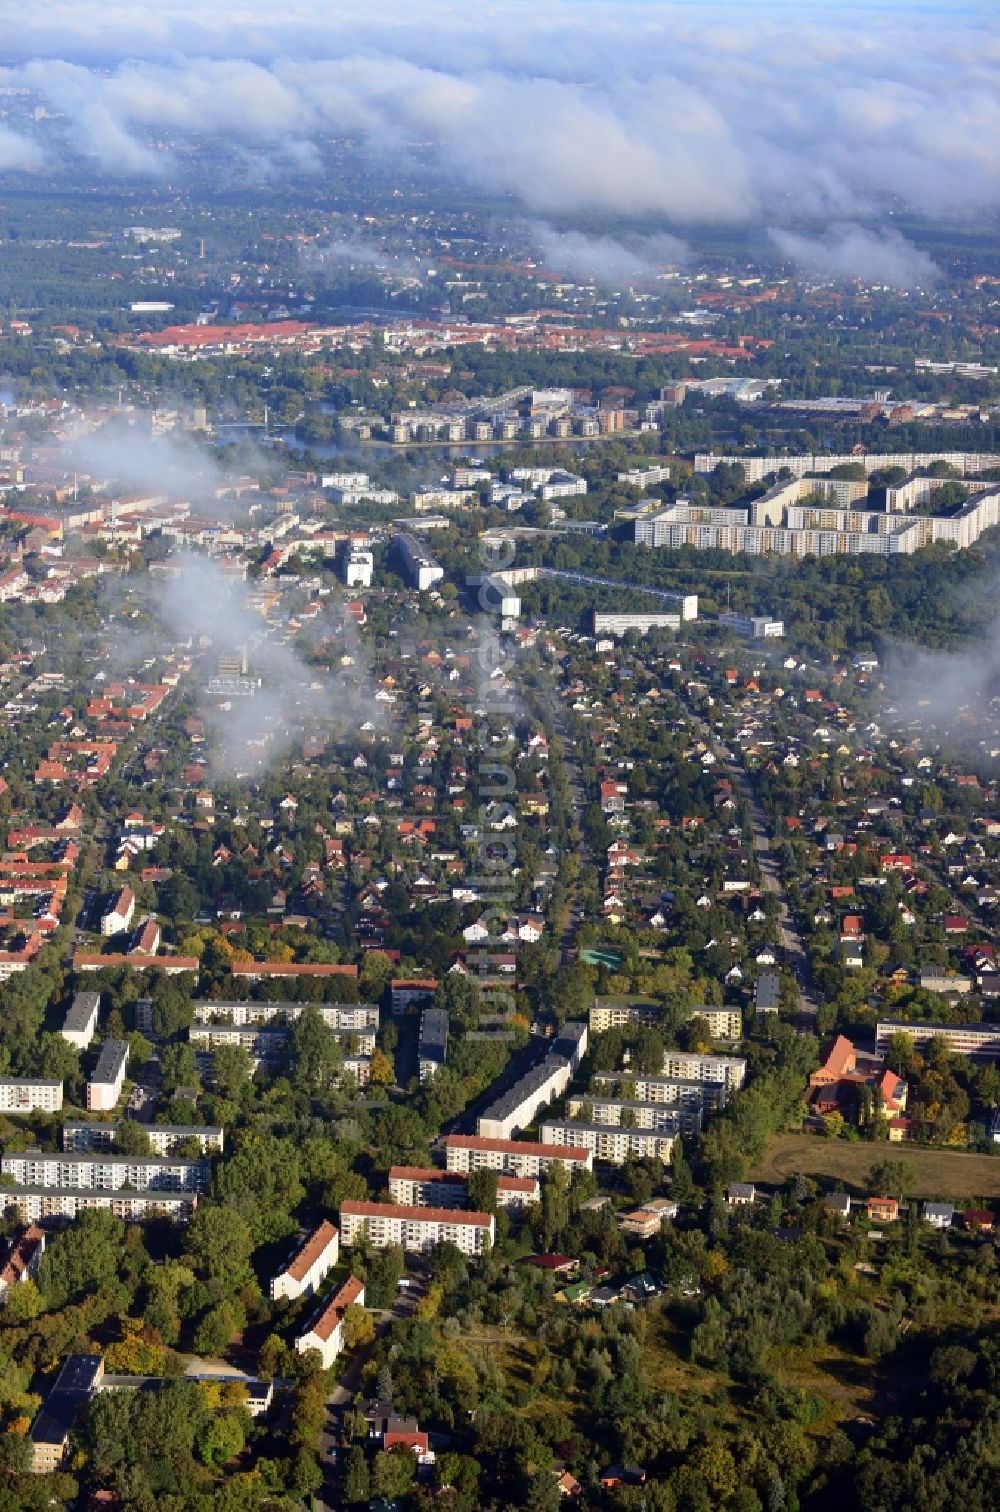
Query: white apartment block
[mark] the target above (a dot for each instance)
(35, 1204)
(267, 1041)
(325, 1333)
(23, 1094)
(105, 1086)
(432, 1042)
(665, 1118)
(645, 477)
(615, 1013)
(310, 1264)
(42, 1169)
(358, 1066)
(419, 1186)
(354, 1017)
(519, 1106)
(621, 624)
(960, 1039)
(359, 568)
(420, 567)
(417, 1229)
(513, 1157)
(709, 1096)
(723, 1023)
(164, 1139)
(755, 469)
(730, 1070)
(352, 480)
(81, 1020)
(610, 1143)
(562, 485)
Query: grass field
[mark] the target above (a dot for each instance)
(947, 1174)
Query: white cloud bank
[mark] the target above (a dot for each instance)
(720, 113)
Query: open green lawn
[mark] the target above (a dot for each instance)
(947, 1174)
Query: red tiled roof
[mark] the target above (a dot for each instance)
(351, 1291)
(311, 1250)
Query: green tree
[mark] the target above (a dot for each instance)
(891, 1178)
(357, 1482)
(179, 1067)
(393, 1473)
(542, 1493)
(131, 1138)
(261, 1181)
(220, 1243)
(223, 1438)
(314, 1057)
(359, 1327)
(82, 1257)
(482, 1191)
(231, 1070)
(682, 1187)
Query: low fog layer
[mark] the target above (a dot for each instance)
(767, 113)
(607, 259)
(940, 688)
(845, 252)
(249, 732)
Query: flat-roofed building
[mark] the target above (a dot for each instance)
(514, 1109)
(723, 1023)
(347, 1016)
(28, 1094)
(515, 1157)
(325, 1333)
(536, 1089)
(105, 1086)
(416, 1229)
(80, 1022)
(960, 1039)
(267, 1041)
(753, 626)
(40, 1204)
(709, 1096)
(432, 1044)
(729, 1070)
(616, 1013)
(310, 1264)
(78, 1381)
(610, 1143)
(767, 993)
(668, 1118)
(420, 567)
(105, 1172)
(164, 1139)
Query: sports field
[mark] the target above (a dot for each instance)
(946, 1174)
